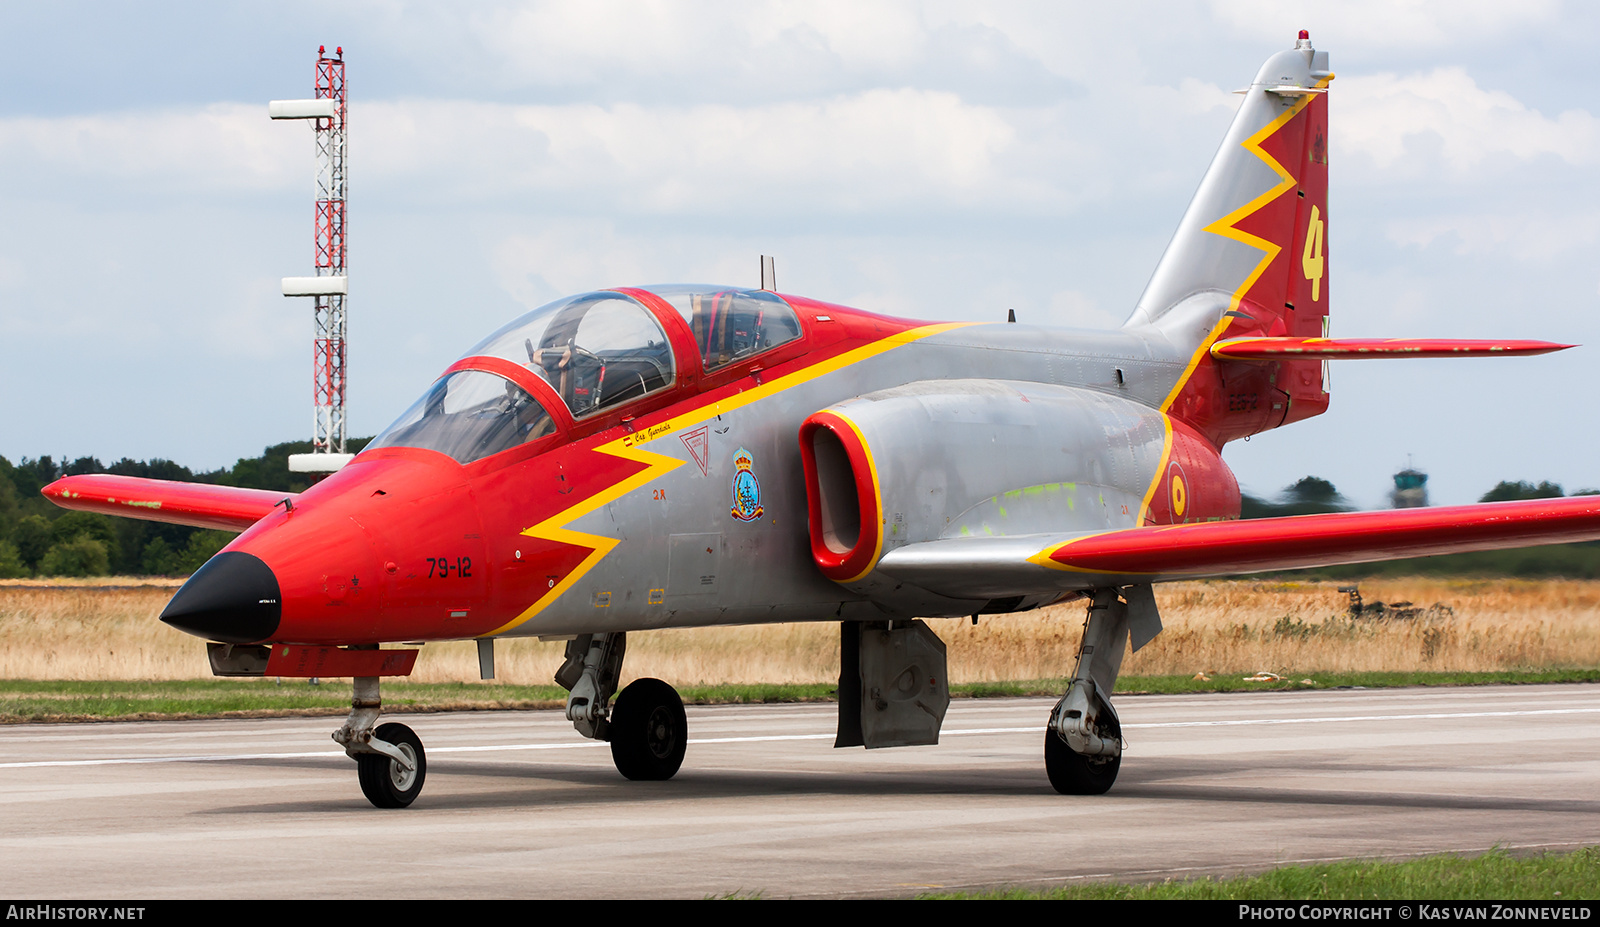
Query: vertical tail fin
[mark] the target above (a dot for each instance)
(1250, 257)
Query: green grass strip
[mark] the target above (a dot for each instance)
(1494, 875)
(23, 700)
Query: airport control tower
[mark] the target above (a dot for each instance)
(329, 288)
(1410, 489)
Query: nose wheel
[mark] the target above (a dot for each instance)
(389, 759)
(386, 781)
(649, 731)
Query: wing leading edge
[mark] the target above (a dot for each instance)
(1262, 349)
(1002, 566)
(200, 505)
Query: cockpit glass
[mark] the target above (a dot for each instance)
(730, 325)
(595, 350)
(468, 415)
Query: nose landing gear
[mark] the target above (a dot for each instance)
(388, 782)
(389, 759)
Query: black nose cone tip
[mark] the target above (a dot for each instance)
(233, 599)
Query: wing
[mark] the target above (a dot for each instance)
(1036, 564)
(202, 505)
(1356, 348)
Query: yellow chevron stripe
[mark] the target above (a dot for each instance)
(629, 447)
(1227, 228)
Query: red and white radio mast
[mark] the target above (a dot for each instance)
(330, 286)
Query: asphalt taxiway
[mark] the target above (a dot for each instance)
(518, 805)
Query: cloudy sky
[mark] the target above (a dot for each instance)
(941, 161)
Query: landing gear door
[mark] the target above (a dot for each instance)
(893, 690)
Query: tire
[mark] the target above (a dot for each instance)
(649, 731)
(385, 783)
(1072, 773)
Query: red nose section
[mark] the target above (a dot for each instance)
(388, 549)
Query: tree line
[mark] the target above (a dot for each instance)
(1313, 495)
(39, 538)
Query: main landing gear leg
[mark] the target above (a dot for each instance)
(389, 758)
(647, 727)
(1083, 743)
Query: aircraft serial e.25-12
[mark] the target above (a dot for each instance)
(682, 456)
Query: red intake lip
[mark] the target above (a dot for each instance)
(842, 501)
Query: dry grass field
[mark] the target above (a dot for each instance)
(80, 631)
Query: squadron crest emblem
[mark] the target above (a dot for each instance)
(746, 488)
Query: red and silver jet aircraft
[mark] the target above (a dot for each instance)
(679, 456)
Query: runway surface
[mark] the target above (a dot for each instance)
(518, 805)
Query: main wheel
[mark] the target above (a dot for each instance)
(384, 781)
(649, 731)
(1072, 773)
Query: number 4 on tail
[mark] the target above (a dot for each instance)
(1311, 260)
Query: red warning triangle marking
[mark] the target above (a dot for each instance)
(699, 444)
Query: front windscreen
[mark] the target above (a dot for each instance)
(595, 350)
(468, 415)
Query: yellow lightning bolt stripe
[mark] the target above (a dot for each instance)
(1166, 455)
(1043, 557)
(1226, 227)
(628, 447)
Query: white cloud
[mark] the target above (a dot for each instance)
(1413, 23)
(1075, 310)
(845, 153)
(1419, 122)
(722, 50)
(1523, 236)
(223, 146)
(1194, 97)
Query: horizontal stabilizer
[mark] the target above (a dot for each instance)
(1346, 348)
(201, 505)
(998, 567)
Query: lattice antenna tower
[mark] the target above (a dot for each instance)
(330, 287)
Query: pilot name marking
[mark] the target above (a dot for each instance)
(648, 434)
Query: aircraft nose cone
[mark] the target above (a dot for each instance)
(234, 599)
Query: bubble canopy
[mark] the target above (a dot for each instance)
(596, 351)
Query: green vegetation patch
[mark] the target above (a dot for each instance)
(1494, 875)
(33, 700)
(23, 700)
(1238, 682)
(1241, 682)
